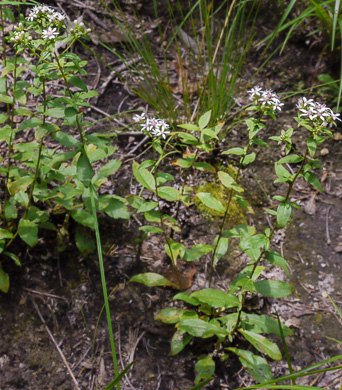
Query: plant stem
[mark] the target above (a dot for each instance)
(269, 236)
(103, 281)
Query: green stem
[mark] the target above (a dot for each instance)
(103, 280)
(269, 236)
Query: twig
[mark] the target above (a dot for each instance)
(55, 343)
(136, 147)
(43, 293)
(327, 226)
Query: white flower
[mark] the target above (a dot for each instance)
(139, 118)
(334, 116)
(276, 105)
(303, 102)
(310, 112)
(50, 33)
(163, 125)
(254, 91)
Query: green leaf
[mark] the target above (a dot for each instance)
(262, 344)
(83, 217)
(252, 245)
(65, 139)
(28, 232)
(6, 99)
(84, 240)
(5, 234)
(189, 126)
(196, 252)
(172, 316)
(151, 229)
(292, 159)
(208, 200)
(275, 259)
(30, 124)
(188, 138)
(248, 159)
(236, 151)
(184, 296)
(21, 184)
(148, 206)
(204, 368)
(313, 180)
(202, 166)
(77, 82)
(3, 118)
(55, 112)
(109, 169)
(228, 181)
(151, 279)
(312, 145)
(204, 119)
(273, 288)
(174, 250)
(257, 366)
(216, 298)
(4, 280)
(85, 171)
(144, 177)
(181, 162)
(14, 257)
(263, 324)
(169, 193)
(200, 328)
(114, 206)
(221, 248)
(283, 214)
(282, 173)
(179, 342)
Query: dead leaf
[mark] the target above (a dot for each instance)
(310, 205)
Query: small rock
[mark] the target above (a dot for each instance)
(324, 151)
(337, 136)
(338, 249)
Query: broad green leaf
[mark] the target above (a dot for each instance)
(4, 281)
(148, 206)
(151, 229)
(275, 259)
(21, 184)
(283, 214)
(257, 366)
(14, 257)
(179, 342)
(114, 207)
(184, 296)
(181, 162)
(283, 174)
(84, 240)
(77, 82)
(313, 180)
(3, 118)
(236, 151)
(237, 231)
(174, 250)
(215, 298)
(5, 234)
(11, 211)
(292, 159)
(109, 169)
(172, 316)
(273, 288)
(55, 112)
(65, 139)
(188, 138)
(152, 216)
(208, 200)
(252, 245)
(248, 159)
(204, 368)
(6, 99)
(189, 126)
(196, 252)
(221, 248)
(263, 324)
(144, 177)
(262, 344)
(151, 279)
(83, 217)
(30, 123)
(28, 232)
(200, 328)
(312, 145)
(169, 193)
(228, 181)
(204, 119)
(202, 166)
(229, 321)
(210, 133)
(85, 171)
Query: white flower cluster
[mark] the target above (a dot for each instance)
(267, 98)
(43, 10)
(19, 35)
(154, 127)
(316, 112)
(79, 28)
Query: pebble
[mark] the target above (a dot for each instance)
(324, 151)
(337, 136)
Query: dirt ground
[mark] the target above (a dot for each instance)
(55, 299)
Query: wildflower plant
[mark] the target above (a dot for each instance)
(210, 312)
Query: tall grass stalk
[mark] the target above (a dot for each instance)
(103, 281)
(209, 59)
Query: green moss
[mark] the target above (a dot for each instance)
(236, 214)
